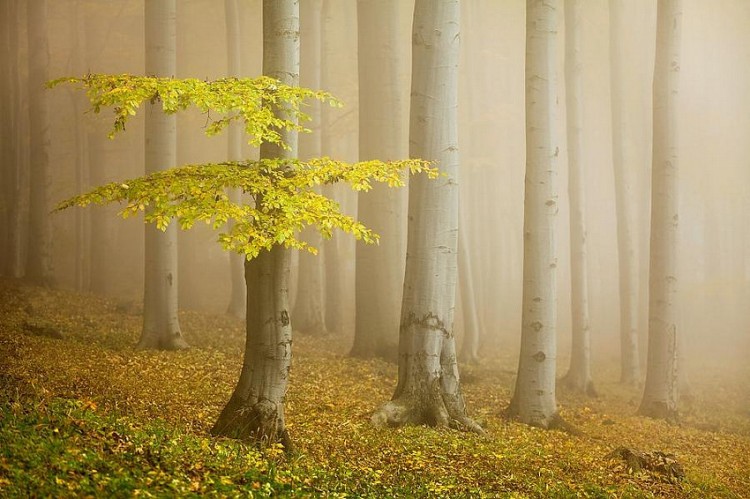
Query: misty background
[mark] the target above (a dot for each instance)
(96, 251)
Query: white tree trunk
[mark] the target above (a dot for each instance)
(256, 409)
(39, 260)
(161, 328)
(308, 313)
(428, 388)
(237, 297)
(661, 390)
(624, 167)
(383, 133)
(578, 377)
(533, 400)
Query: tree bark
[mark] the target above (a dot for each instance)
(383, 122)
(578, 377)
(161, 327)
(255, 411)
(660, 394)
(534, 400)
(39, 268)
(238, 288)
(627, 241)
(428, 390)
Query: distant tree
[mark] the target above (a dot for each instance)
(237, 296)
(660, 394)
(282, 188)
(578, 377)
(428, 389)
(627, 241)
(533, 399)
(39, 258)
(383, 123)
(161, 326)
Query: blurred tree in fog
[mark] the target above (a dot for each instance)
(660, 395)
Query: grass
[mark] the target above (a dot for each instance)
(86, 415)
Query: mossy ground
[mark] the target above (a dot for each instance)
(86, 414)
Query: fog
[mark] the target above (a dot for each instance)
(96, 251)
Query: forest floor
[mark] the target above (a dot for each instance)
(83, 413)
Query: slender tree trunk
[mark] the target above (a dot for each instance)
(578, 377)
(660, 395)
(39, 261)
(15, 184)
(470, 345)
(238, 291)
(428, 388)
(627, 241)
(309, 308)
(533, 400)
(161, 328)
(256, 409)
(383, 122)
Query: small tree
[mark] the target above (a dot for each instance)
(283, 202)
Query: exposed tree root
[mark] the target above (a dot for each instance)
(259, 423)
(406, 411)
(656, 462)
(659, 410)
(174, 341)
(553, 422)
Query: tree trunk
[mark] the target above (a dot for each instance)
(383, 122)
(428, 390)
(39, 259)
(256, 409)
(533, 400)
(15, 184)
(238, 289)
(467, 293)
(578, 377)
(308, 313)
(161, 328)
(624, 166)
(660, 394)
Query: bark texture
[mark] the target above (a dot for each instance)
(624, 166)
(660, 394)
(534, 400)
(578, 377)
(161, 327)
(255, 411)
(383, 131)
(428, 390)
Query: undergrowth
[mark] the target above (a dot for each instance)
(84, 414)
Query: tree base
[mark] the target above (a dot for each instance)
(400, 412)
(659, 410)
(553, 422)
(579, 384)
(257, 423)
(173, 341)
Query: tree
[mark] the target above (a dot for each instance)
(660, 394)
(579, 374)
(428, 390)
(630, 367)
(308, 313)
(161, 326)
(237, 297)
(382, 133)
(39, 259)
(533, 399)
(283, 189)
